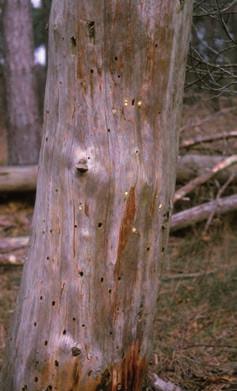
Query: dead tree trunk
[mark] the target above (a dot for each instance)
(106, 180)
(22, 103)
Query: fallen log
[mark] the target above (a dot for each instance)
(206, 176)
(190, 166)
(23, 178)
(202, 212)
(18, 178)
(178, 221)
(13, 244)
(207, 139)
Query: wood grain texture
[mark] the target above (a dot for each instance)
(189, 166)
(88, 296)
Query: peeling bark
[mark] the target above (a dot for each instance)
(105, 186)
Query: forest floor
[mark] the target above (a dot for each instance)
(195, 333)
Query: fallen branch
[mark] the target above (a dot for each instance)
(190, 166)
(188, 276)
(178, 221)
(22, 178)
(201, 212)
(193, 184)
(206, 139)
(13, 244)
(160, 385)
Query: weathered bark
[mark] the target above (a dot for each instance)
(22, 178)
(105, 187)
(202, 212)
(22, 104)
(188, 166)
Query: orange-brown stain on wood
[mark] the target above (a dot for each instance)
(127, 374)
(153, 204)
(86, 209)
(130, 372)
(127, 221)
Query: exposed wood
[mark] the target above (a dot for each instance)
(206, 176)
(18, 178)
(24, 128)
(201, 212)
(23, 178)
(106, 181)
(206, 139)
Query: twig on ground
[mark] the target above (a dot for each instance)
(12, 244)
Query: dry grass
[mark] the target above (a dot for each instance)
(196, 325)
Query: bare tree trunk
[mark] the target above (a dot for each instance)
(188, 167)
(22, 103)
(106, 180)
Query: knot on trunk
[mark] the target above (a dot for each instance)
(82, 166)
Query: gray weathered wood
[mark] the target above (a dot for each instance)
(85, 313)
(202, 212)
(18, 178)
(9, 244)
(23, 178)
(205, 176)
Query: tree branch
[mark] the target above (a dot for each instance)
(205, 139)
(198, 181)
(201, 212)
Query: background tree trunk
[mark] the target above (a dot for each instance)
(22, 104)
(107, 174)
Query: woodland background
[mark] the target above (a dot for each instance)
(196, 323)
